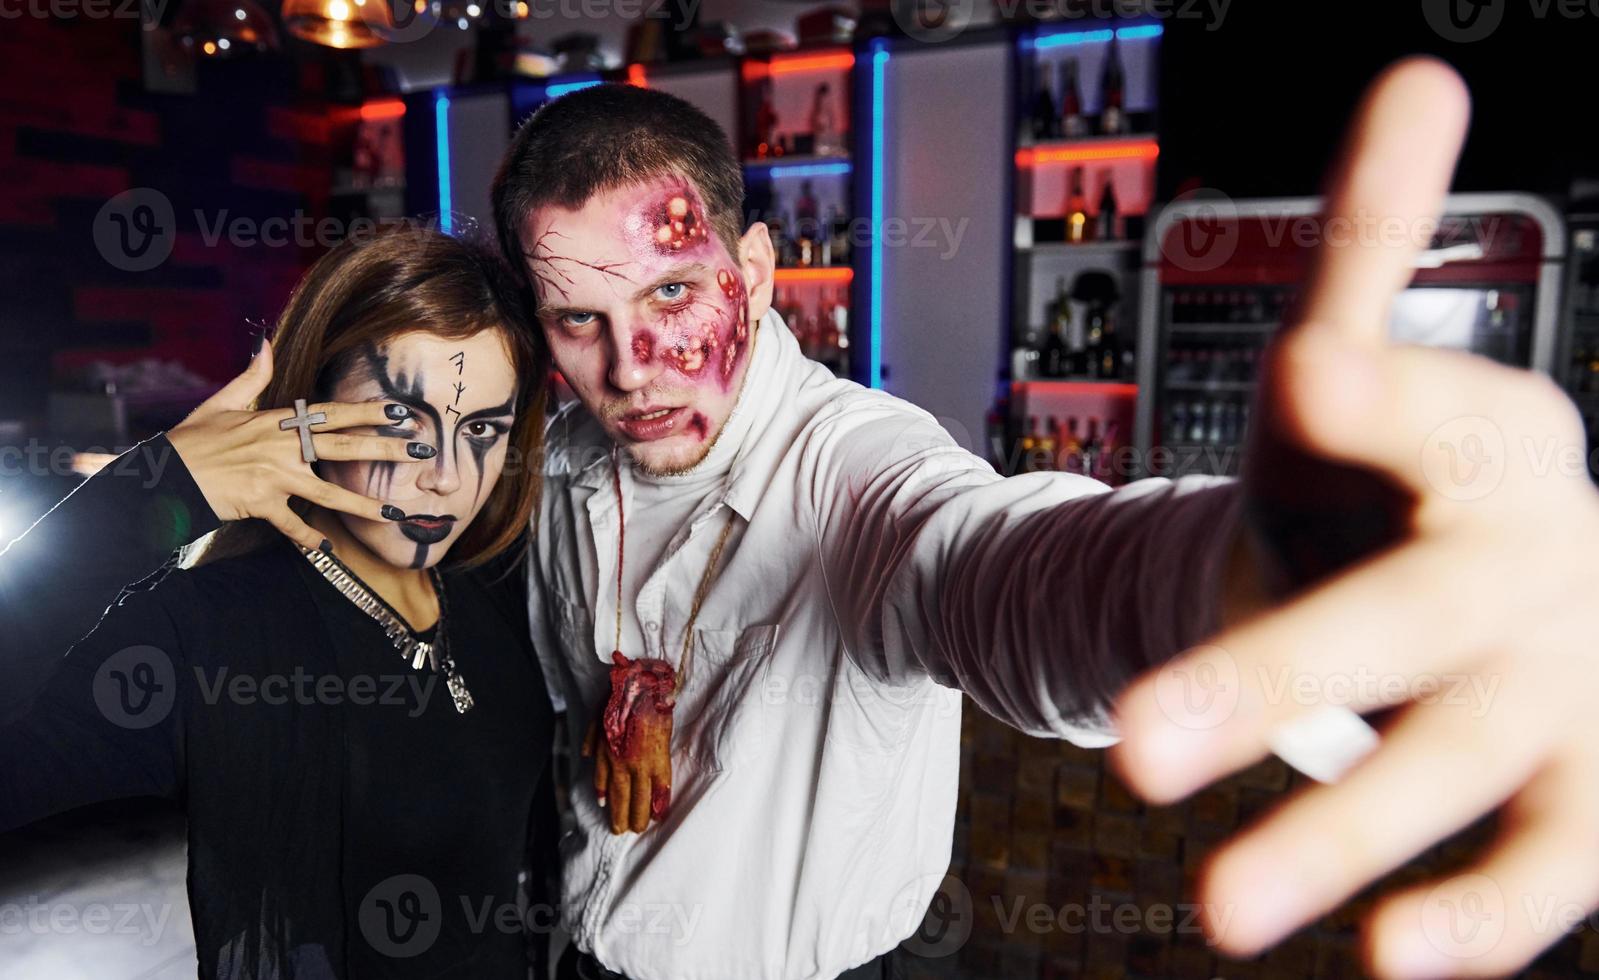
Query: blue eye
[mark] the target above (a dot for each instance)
(672, 290)
(578, 319)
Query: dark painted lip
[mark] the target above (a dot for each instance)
(427, 529)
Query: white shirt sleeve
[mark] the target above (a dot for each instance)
(1040, 596)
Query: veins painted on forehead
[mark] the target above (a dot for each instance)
(626, 240)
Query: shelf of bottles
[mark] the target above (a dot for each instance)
(1084, 181)
(1215, 336)
(1581, 371)
(796, 143)
(1475, 289)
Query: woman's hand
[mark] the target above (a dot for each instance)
(246, 466)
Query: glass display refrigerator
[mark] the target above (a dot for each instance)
(1220, 276)
(1577, 363)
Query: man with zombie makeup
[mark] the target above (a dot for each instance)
(761, 592)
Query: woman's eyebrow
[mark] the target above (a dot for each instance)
(506, 408)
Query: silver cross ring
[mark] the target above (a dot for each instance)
(303, 420)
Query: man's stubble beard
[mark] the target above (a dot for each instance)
(684, 468)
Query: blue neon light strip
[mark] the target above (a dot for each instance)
(1067, 38)
(875, 314)
(560, 89)
(441, 126)
(802, 169)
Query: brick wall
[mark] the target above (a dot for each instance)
(256, 141)
(1044, 827)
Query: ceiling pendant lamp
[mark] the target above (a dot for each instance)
(354, 23)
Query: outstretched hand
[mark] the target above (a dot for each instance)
(246, 466)
(1423, 536)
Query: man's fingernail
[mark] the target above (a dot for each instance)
(392, 513)
(326, 547)
(421, 450)
(396, 412)
(255, 345)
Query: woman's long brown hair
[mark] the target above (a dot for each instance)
(372, 288)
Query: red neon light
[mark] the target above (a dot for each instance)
(832, 273)
(1144, 149)
(635, 76)
(843, 61)
(1114, 389)
(387, 109)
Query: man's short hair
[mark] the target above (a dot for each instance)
(606, 136)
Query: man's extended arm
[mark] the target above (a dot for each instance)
(1040, 596)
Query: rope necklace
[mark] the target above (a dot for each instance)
(700, 592)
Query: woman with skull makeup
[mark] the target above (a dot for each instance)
(340, 692)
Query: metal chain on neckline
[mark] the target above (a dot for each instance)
(436, 654)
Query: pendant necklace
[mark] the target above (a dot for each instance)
(638, 713)
(435, 654)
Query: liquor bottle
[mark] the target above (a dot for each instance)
(1076, 209)
(1197, 426)
(806, 228)
(1090, 451)
(841, 323)
(779, 236)
(1105, 223)
(794, 316)
(838, 236)
(1176, 424)
(1106, 470)
(1044, 122)
(1047, 446)
(1072, 123)
(1055, 355)
(766, 123)
(1071, 447)
(1025, 358)
(812, 344)
(1109, 361)
(1029, 443)
(1112, 87)
(1095, 321)
(823, 121)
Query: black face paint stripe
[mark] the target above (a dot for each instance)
(399, 388)
(479, 452)
(421, 558)
(380, 478)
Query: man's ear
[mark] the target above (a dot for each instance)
(758, 262)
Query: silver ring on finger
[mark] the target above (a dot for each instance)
(303, 420)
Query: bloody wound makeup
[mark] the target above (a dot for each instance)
(647, 314)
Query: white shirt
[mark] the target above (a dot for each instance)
(876, 570)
